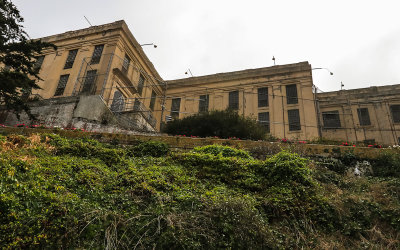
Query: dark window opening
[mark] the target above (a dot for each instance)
(263, 120)
(118, 103)
(363, 116)
(234, 100)
(70, 59)
(331, 119)
(153, 100)
(140, 84)
(61, 85)
(125, 65)
(98, 50)
(175, 108)
(395, 110)
(369, 141)
(262, 97)
(89, 83)
(294, 120)
(291, 94)
(203, 103)
(38, 64)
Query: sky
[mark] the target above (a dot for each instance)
(357, 40)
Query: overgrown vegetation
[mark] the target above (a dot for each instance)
(79, 193)
(223, 124)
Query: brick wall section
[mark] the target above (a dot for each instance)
(184, 143)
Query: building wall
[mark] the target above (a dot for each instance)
(247, 83)
(118, 43)
(377, 100)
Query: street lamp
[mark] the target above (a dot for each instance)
(189, 71)
(325, 69)
(155, 46)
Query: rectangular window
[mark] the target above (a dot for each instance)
(395, 110)
(125, 65)
(70, 59)
(203, 103)
(263, 119)
(363, 116)
(262, 97)
(175, 108)
(153, 100)
(140, 85)
(98, 50)
(331, 119)
(89, 83)
(38, 64)
(61, 85)
(294, 120)
(291, 94)
(234, 100)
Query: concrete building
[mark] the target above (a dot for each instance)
(99, 78)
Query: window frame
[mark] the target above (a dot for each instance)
(204, 102)
(294, 119)
(61, 85)
(395, 116)
(233, 101)
(97, 53)
(363, 118)
(69, 63)
(140, 84)
(292, 96)
(153, 100)
(264, 122)
(262, 94)
(175, 107)
(327, 118)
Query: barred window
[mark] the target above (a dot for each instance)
(331, 119)
(153, 100)
(175, 108)
(38, 63)
(363, 116)
(203, 103)
(262, 97)
(89, 83)
(118, 102)
(395, 110)
(98, 50)
(61, 85)
(70, 59)
(140, 84)
(263, 119)
(294, 120)
(291, 94)
(125, 65)
(234, 100)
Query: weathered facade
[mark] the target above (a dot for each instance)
(100, 78)
(104, 61)
(370, 114)
(279, 97)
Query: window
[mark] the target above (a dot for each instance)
(331, 119)
(369, 141)
(98, 50)
(125, 65)
(203, 103)
(118, 102)
(38, 63)
(262, 97)
(175, 108)
(140, 85)
(88, 84)
(395, 110)
(291, 94)
(234, 100)
(294, 120)
(70, 59)
(363, 116)
(153, 100)
(263, 119)
(61, 85)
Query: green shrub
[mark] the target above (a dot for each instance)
(149, 148)
(224, 151)
(387, 164)
(223, 124)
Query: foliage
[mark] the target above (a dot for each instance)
(223, 124)
(149, 148)
(17, 59)
(81, 194)
(387, 164)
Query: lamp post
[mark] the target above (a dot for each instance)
(330, 72)
(146, 44)
(189, 71)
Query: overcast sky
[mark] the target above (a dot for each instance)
(358, 40)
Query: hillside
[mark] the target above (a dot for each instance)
(65, 193)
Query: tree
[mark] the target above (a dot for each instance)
(18, 53)
(223, 124)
